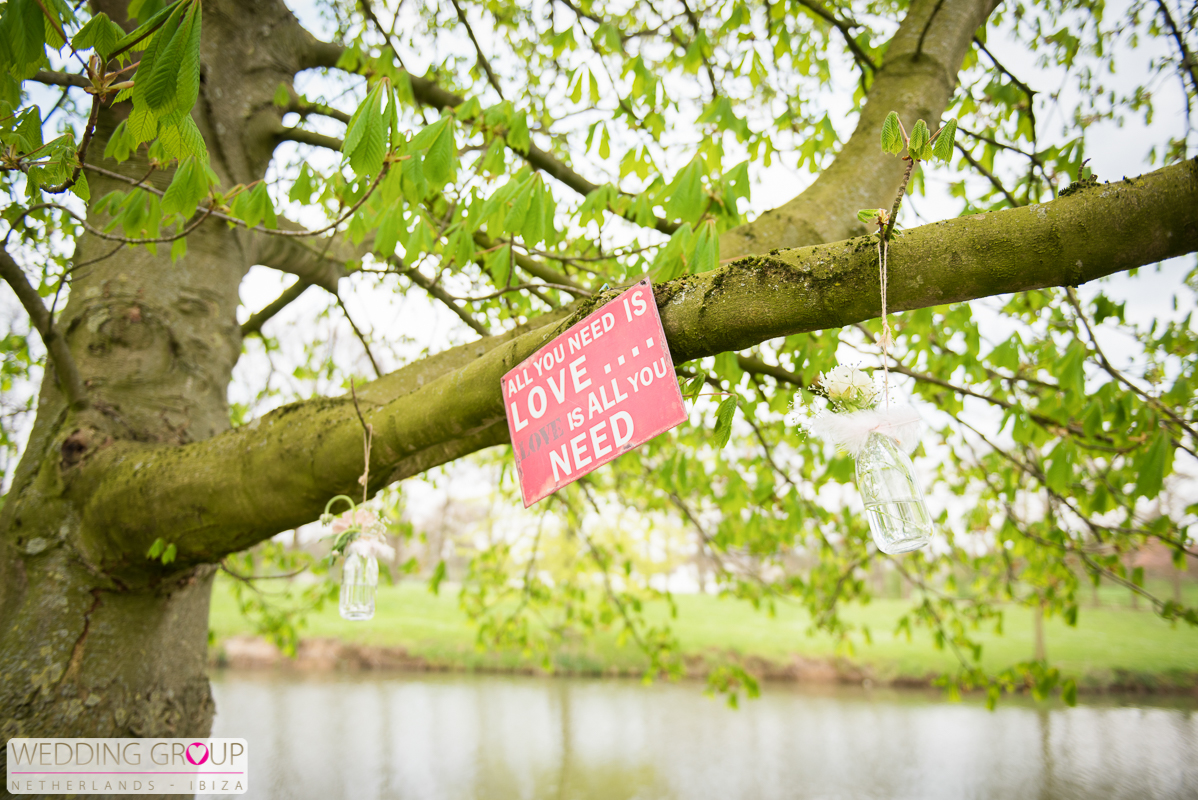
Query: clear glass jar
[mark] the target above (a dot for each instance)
(894, 504)
(359, 581)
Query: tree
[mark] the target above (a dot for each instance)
(176, 118)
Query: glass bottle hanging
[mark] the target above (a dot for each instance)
(894, 504)
(359, 581)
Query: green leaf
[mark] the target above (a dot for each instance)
(723, 422)
(441, 160)
(518, 136)
(943, 147)
(434, 583)
(1071, 369)
(706, 254)
(282, 97)
(499, 264)
(514, 220)
(302, 189)
(892, 136)
(918, 145)
(188, 90)
(168, 555)
(693, 387)
(687, 200)
(867, 214)
(1060, 470)
(1069, 692)
(1153, 465)
(727, 366)
(81, 189)
(178, 249)
(365, 142)
(188, 187)
(387, 236)
(181, 138)
(99, 33)
(156, 548)
(533, 231)
(161, 90)
(141, 8)
(142, 32)
(671, 260)
(142, 125)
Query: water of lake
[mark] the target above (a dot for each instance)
(461, 737)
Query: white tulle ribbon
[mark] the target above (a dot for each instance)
(366, 546)
(851, 430)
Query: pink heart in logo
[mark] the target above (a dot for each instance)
(202, 747)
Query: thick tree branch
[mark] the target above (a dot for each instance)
(304, 136)
(60, 354)
(254, 324)
(317, 261)
(62, 79)
(233, 490)
(756, 366)
(916, 85)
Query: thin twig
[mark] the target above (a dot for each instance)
(60, 354)
(361, 336)
(1119, 376)
(482, 58)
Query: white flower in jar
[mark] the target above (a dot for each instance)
(847, 384)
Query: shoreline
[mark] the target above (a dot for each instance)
(330, 655)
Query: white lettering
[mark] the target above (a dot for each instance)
(563, 461)
(621, 438)
(598, 438)
(578, 373)
(559, 391)
(579, 452)
(537, 391)
(520, 424)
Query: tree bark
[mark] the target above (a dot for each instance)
(123, 652)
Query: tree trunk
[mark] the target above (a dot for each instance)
(121, 649)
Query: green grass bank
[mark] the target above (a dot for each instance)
(1113, 645)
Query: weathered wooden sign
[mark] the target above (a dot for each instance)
(598, 390)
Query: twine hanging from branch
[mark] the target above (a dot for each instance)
(885, 339)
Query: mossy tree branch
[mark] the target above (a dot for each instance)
(226, 493)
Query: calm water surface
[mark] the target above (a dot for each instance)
(460, 737)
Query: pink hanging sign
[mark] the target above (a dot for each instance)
(598, 390)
